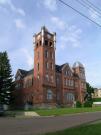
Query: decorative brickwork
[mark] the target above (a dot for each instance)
(49, 84)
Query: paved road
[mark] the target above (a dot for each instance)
(39, 125)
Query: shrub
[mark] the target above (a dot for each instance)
(88, 104)
(78, 104)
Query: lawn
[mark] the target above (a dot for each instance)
(96, 99)
(94, 129)
(63, 111)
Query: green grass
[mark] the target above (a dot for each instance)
(96, 99)
(63, 111)
(94, 129)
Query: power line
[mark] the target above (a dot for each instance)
(96, 7)
(92, 6)
(79, 12)
(84, 4)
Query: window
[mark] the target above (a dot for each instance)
(69, 82)
(66, 72)
(38, 66)
(51, 55)
(46, 54)
(28, 83)
(18, 85)
(50, 44)
(57, 80)
(37, 45)
(47, 65)
(18, 77)
(47, 77)
(51, 66)
(40, 42)
(46, 42)
(82, 84)
(66, 82)
(72, 83)
(49, 94)
(38, 76)
(70, 97)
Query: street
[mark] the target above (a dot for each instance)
(40, 125)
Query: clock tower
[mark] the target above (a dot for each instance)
(44, 67)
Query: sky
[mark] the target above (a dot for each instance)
(78, 39)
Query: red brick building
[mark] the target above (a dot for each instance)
(49, 84)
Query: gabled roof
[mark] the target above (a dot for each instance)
(58, 68)
(24, 73)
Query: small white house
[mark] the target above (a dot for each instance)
(97, 93)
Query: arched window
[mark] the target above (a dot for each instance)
(49, 94)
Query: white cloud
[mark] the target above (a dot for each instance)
(50, 4)
(29, 58)
(70, 33)
(12, 7)
(21, 12)
(59, 23)
(19, 23)
(71, 36)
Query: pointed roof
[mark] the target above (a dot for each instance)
(24, 73)
(45, 29)
(59, 68)
(78, 64)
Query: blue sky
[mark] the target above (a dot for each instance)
(77, 38)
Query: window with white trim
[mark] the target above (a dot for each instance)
(49, 94)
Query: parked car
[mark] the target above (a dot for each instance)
(1, 110)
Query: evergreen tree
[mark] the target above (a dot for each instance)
(6, 84)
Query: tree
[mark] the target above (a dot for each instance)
(6, 81)
(90, 90)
